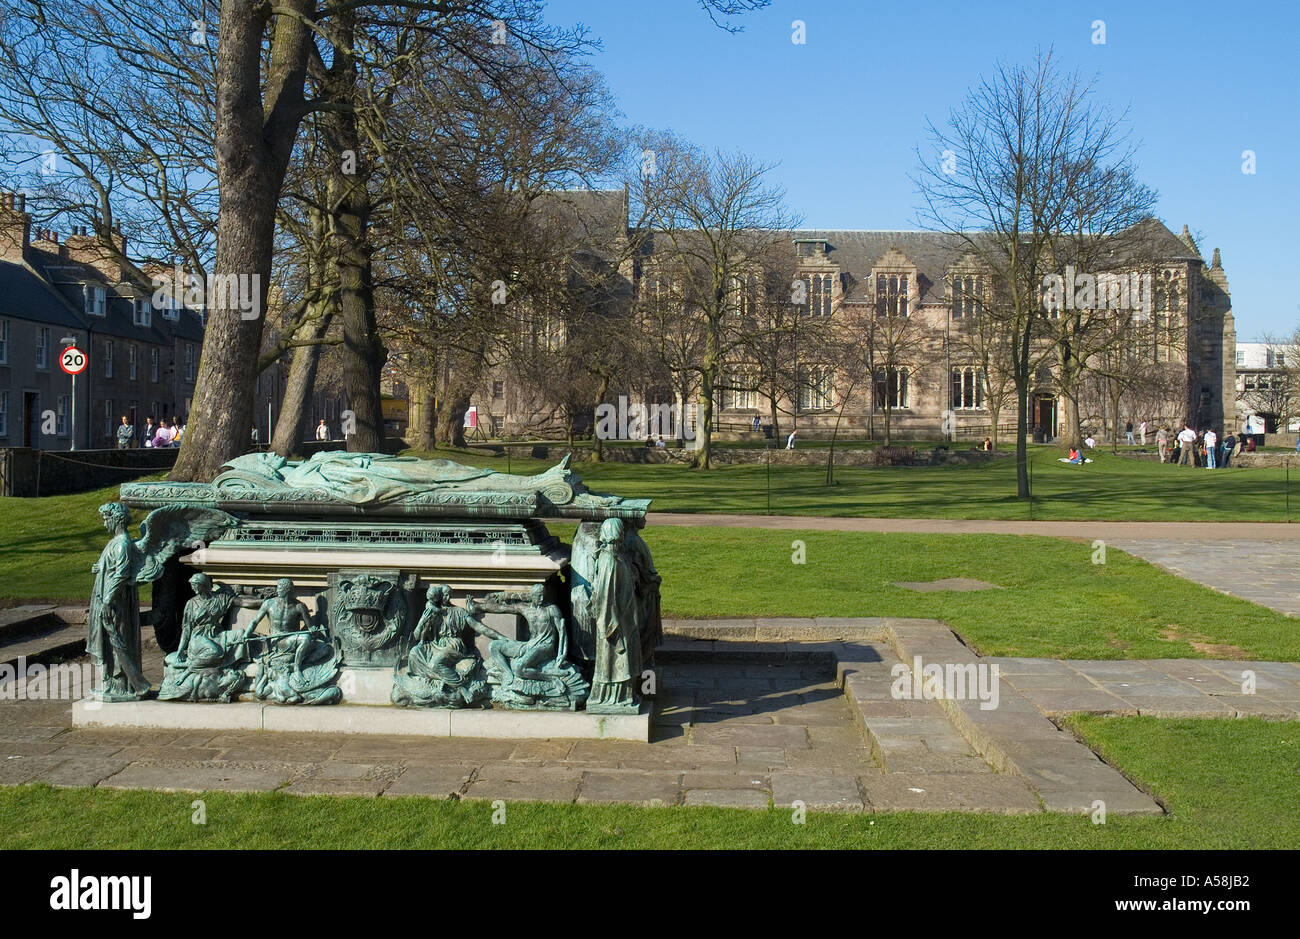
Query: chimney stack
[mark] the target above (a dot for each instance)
(15, 228)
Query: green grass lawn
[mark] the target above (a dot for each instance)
(1054, 601)
(1112, 488)
(1226, 784)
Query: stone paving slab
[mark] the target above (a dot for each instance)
(765, 722)
(955, 584)
(984, 792)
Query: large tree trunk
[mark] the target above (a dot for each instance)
(291, 427)
(426, 432)
(254, 139)
(363, 351)
(704, 428)
(451, 418)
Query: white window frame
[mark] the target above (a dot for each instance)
(108, 358)
(132, 362)
(94, 300)
(189, 361)
(62, 407)
(109, 430)
(143, 309)
(4, 342)
(4, 413)
(43, 348)
(154, 364)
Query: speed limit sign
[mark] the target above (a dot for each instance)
(73, 360)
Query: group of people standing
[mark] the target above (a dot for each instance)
(1192, 448)
(166, 433)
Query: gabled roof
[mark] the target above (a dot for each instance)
(24, 295)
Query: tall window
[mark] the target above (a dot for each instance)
(153, 364)
(1241, 357)
(742, 394)
(822, 292)
(4, 414)
(132, 364)
(967, 295)
(817, 388)
(968, 389)
(43, 347)
(109, 432)
(189, 361)
(143, 311)
(891, 388)
(891, 295)
(108, 358)
(4, 342)
(1166, 291)
(94, 300)
(64, 405)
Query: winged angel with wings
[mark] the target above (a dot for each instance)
(124, 564)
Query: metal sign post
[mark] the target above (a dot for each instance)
(73, 361)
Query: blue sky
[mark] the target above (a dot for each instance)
(843, 113)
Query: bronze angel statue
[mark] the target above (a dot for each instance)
(124, 564)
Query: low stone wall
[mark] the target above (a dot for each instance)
(1275, 460)
(811, 456)
(26, 472)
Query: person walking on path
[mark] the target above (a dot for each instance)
(1187, 444)
(1229, 444)
(1162, 443)
(789, 441)
(1128, 432)
(1142, 432)
(1211, 448)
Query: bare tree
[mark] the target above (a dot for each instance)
(714, 218)
(1030, 176)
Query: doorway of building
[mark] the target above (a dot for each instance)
(1045, 416)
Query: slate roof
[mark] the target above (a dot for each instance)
(857, 253)
(24, 295)
(62, 279)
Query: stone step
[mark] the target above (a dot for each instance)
(28, 619)
(52, 645)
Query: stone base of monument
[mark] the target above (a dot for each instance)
(501, 723)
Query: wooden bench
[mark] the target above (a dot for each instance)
(895, 456)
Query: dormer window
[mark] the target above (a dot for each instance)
(891, 294)
(143, 311)
(94, 300)
(823, 289)
(967, 295)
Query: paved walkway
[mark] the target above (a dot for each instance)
(1209, 531)
(1266, 572)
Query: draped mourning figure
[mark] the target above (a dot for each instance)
(211, 662)
(616, 614)
(443, 669)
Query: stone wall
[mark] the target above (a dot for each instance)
(27, 472)
(813, 456)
